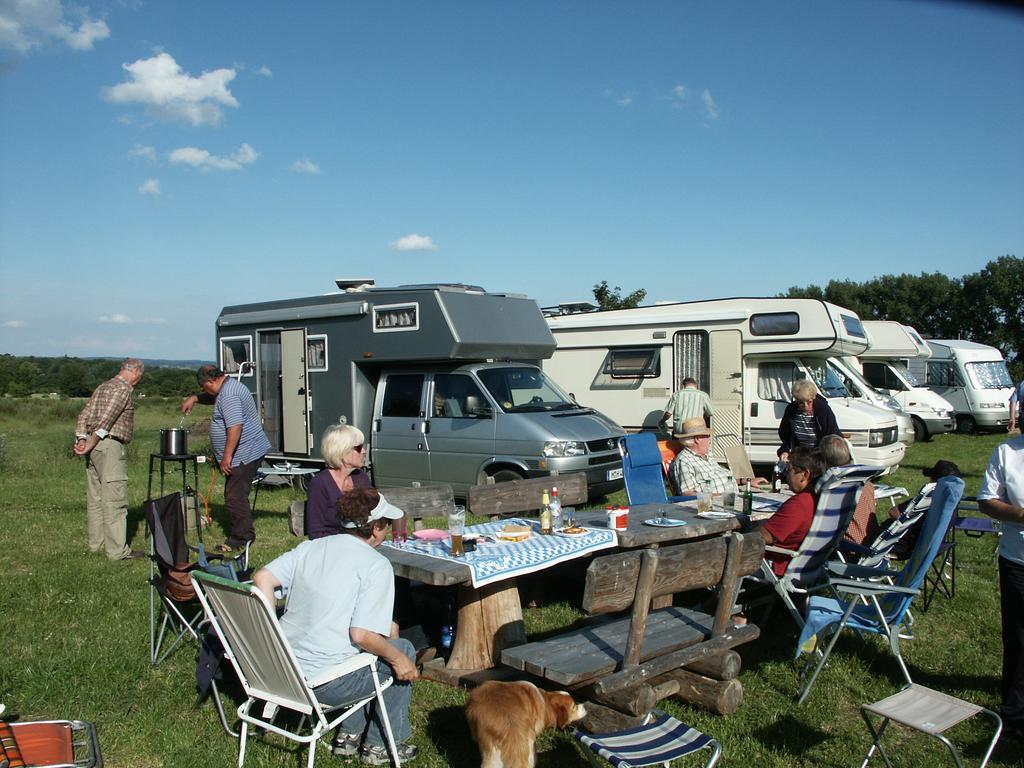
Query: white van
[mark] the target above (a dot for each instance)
(884, 365)
(745, 352)
(858, 387)
(973, 378)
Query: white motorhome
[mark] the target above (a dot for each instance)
(848, 370)
(973, 378)
(884, 365)
(745, 352)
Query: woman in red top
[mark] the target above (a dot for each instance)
(788, 527)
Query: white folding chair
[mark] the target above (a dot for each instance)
(267, 668)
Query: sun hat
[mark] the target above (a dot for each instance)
(384, 509)
(692, 428)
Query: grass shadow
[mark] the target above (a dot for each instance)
(447, 731)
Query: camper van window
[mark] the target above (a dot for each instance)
(630, 363)
(881, 376)
(825, 376)
(456, 396)
(522, 390)
(990, 375)
(853, 326)
(775, 381)
(402, 395)
(902, 371)
(316, 353)
(775, 324)
(690, 358)
(396, 317)
(941, 374)
(235, 350)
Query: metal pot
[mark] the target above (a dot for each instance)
(173, 442)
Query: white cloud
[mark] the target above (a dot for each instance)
(305, 165)
(204, 161)
(146, 153)
(622, 99)
(15, 324)
(115, 319)
(414, 243)
(28, 24)
(150, 187)
(169, 93)
(711, 109)
(265, 71)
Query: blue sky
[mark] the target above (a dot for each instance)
(159, 161)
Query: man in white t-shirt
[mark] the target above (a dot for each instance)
(1002, 497)
(340, 595)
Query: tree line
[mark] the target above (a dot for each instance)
(986, 306)
(77, 377)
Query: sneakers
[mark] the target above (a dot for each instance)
(345, 744)
(380, 755)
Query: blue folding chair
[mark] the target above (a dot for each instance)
(662, 740)
(887, 611)
(642, 470)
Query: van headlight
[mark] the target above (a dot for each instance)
(562, 448)
(878, 437)
(893, 404)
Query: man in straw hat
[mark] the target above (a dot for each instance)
(693, 468)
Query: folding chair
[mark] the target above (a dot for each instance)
(838, 491)
(886, 614)
(930, 712)
(642, 470)
(660, 741)
(49, 744)
(255, 644)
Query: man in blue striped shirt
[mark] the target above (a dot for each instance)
(239, 444)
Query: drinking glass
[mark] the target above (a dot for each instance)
(456, 527)
(400, 531)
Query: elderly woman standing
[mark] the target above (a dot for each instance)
(342, 449)
(806, 420)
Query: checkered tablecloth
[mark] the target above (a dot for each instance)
(507, 559)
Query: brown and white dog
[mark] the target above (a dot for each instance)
(506, 718)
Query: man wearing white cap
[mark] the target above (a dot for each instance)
(340, 596)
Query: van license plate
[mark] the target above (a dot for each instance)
(615, 474)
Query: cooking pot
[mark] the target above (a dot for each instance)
(173, 442)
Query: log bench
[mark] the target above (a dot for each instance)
(606, 659)
(417, 501)
(514, 497)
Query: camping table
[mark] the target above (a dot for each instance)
(286, 470)
(639, 535)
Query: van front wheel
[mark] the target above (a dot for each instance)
(965, 424)
(920, 431)
(506, 475)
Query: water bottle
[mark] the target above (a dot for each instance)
(556, 510)
(448, 630)
(729, 496)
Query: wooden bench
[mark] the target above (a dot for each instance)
(417, 501)
(614, 655)
(513, 497)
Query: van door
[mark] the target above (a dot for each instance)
(725, 386)
(398, 449)
(771, 391)
(294, 395)
(459, 431)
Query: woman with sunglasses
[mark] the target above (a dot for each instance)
(342, 450)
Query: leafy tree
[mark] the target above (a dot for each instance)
(611, 298)
(72, 378)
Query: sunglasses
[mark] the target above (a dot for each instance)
(358, 448)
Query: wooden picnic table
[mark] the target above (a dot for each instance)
(490, 617)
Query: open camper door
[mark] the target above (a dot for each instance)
(725, 381)
(282, 387)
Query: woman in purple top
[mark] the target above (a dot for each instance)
(342, 450)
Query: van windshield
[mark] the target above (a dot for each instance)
(826, 378)
(992, 375)
(524, 390)
(903, 371)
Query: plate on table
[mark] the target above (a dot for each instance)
(577, 530)
(430, 534)
(716, 514)
(664, 522)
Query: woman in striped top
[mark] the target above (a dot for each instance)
(806, 420)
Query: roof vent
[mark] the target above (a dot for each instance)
(354, 285)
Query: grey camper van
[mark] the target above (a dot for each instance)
(428, 373)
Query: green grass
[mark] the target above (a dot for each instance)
(74, 631)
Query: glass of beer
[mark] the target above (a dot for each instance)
(399, 531)
(456, 526)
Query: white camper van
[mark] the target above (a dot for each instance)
(858, 387)
(745, 352)
(973, 378)
(884, 365)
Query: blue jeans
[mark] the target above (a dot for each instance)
(359, 685)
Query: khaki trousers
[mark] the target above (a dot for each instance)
(106, 477)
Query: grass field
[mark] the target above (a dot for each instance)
(74, 631)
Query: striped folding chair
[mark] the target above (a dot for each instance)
(659, 742)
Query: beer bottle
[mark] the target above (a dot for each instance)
(545, 514)
(748, 499)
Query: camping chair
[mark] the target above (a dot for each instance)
(838, 492)
(661, 741)
(255, 645)
(928, 711)
(642, 470)
(885, 615)
(49, 744)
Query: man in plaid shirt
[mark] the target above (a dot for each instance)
(103, 429)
